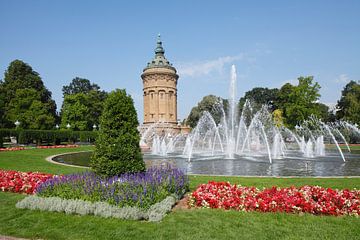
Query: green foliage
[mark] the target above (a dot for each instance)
(349, 103)
(19, 81)
(209, 103)
(298, 102)
(323, 112)
(259, 96)
(82, 105)
(117, 146)
(48, 136)
(27, 108)
(79, 85)
(75, 112)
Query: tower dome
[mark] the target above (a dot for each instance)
(159, 60)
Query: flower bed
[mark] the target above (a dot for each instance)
(12, 149)
(21, 182)
(38, 147)
(136, 190)
(307, 199)
(58, 146)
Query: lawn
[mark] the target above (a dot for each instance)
(180, 224)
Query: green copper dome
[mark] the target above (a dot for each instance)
(159, 60)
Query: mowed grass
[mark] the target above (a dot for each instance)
(34, 160)
(179, 224)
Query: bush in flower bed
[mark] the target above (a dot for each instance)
(21, 182)
(69, 206)
(131, 189)
(307, 199)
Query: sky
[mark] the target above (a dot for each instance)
(110, 42)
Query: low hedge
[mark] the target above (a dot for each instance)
(75, 206)
(26, 136)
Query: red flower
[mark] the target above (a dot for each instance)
(309, 199)
(21, 182)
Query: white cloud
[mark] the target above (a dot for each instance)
(206, 67)
(342, 78)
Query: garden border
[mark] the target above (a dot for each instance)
(50, 159)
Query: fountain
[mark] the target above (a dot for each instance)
(244, 142)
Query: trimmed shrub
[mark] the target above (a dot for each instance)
(101, 209)
(117, 145)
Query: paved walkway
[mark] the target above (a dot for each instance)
(10, 238)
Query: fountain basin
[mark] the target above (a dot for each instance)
(296, 165)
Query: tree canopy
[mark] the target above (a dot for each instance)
(82, 105)
(20, 76)
(349, 103)
(299, 102)
(80, 85)
(210, 103)
(259, 96)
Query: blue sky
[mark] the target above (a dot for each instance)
(110, 42)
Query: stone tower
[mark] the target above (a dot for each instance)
(160, 89)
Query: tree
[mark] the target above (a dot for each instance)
(20, 75)
(2, 107)
(209, 103)
(79, 85)
(117, 147)
(349, 103)
(82, 105)
(323, 112)
(259, 96)
(299, 102)
(75, 112)
(27, 108)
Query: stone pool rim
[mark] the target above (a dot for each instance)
(50, 159)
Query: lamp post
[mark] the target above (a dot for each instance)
(57, 126)
(17, 123)
(94, 127)
(68, 126)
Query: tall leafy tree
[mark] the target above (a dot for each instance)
(117, 147)
(27, 108)
(259, 96)
(79, 85)
(299, 102)
(209, 103)
(2, 107)
(20, 75)
(349, 103)
(82, 105)
(75, 112)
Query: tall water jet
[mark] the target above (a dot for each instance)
(320, 146)
(232, 114)
(277, 149)
(309, 150)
